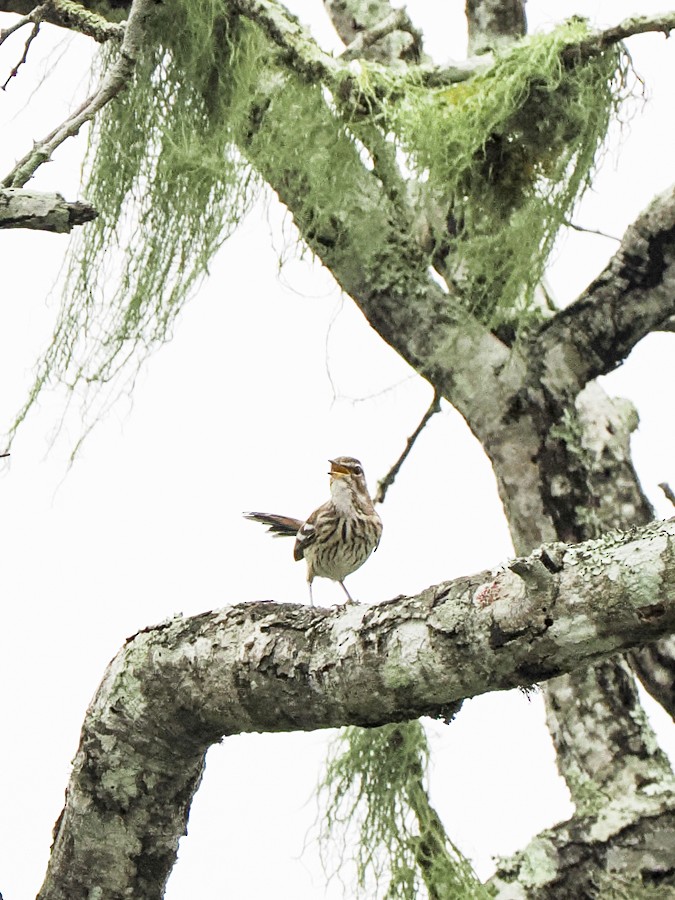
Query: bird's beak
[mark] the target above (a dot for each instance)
(336, 470)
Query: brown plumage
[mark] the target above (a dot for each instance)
(339, 536)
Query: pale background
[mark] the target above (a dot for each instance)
(271, 372)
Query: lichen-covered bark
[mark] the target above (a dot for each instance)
(41, 211)
(598, 858)
(655, 667)
(595, 718)
(177, 688)
(382, 266)
(354, 17)
(113, 10)
(633, 296)
(494, 24)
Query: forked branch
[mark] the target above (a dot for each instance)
(115, 81)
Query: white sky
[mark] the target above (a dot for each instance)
(270, 374)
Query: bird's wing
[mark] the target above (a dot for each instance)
(307, 532)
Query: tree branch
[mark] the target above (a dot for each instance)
(602, 855)
(664, 22)
(45, 212)
(385, 483)
(113, 83)
(307, 58)
(654, 664)
(372, 29)
(272, 667)
(108, 10)
(397, 20)
(69, 14)
(388, 274)
(24, 56)
(494, 24)
(632, 297)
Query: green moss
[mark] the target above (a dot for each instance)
(508, 155)
(374, 784)
(164, 172)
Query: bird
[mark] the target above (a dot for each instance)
(339, 536)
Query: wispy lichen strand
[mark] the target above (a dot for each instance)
(376, 815)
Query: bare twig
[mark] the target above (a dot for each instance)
(668, 491)
(397, 20)
(24, 20)
(115, 81)
(575, 227)
(3, 455)
(384, 485)
(31, 37)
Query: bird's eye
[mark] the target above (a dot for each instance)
(357, 470)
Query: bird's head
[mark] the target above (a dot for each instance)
(347, 472)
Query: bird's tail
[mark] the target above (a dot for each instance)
(280, 526)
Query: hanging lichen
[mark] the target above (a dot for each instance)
(213, 111)
(507, 155)
(376, 815)
(165, 175)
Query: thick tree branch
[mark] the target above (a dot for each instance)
(600, 856)
(623, 830)
(179, 687)
(387, 274)
(632, 297)
(110, 10)
(69, 14)
(307, 58)
(654, 665)
(115, 81)
(494, 24)
(372, 29)
(44, 212)
(605, 745)
(397, 20)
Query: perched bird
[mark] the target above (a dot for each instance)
(339, 536)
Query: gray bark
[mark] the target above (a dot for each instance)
(655, 667)
(352, 18)
(633, 296)
(41, 211)
(272, 667)
(494, 24)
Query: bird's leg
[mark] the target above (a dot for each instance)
(311, 599)
(349, 596)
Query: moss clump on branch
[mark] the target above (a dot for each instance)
(508, 154)
(375, 786)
